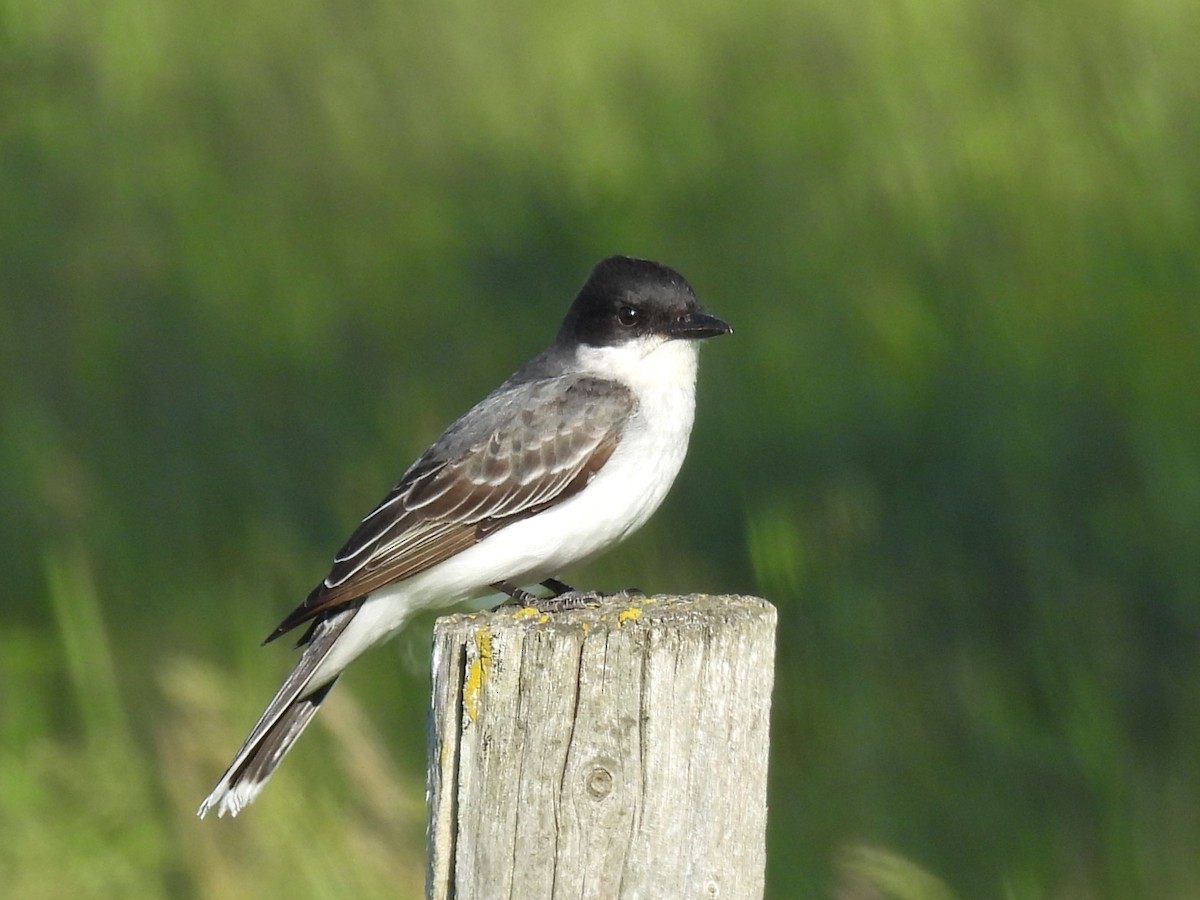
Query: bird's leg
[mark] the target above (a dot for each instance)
(565, 597)
(516, 596)
(557, 588)
(560, 589)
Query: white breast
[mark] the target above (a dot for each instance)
(618, 501)
(623, 494)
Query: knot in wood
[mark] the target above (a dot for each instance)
(599, 783)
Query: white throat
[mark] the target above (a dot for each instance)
(648, 366)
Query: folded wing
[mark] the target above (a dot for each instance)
(487, 471)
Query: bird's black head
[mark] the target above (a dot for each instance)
(626, 299)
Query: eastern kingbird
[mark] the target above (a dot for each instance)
(568, 456)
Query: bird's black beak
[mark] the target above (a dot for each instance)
(696, 325)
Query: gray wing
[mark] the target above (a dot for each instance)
(549, 440)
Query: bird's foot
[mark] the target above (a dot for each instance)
(573, 599)
(563, 596)
(568, 600)
(559, 588)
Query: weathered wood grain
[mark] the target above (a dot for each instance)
(616, 752)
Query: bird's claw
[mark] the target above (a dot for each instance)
(563, 598)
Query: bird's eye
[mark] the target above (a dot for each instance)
(627, 316)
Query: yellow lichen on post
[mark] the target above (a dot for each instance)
(478, 671)
(529, 613)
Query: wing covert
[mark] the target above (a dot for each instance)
(547, 443)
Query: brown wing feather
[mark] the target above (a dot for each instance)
(442, 507)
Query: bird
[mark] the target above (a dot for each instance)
(567, 457)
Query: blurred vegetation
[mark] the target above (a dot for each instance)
(956, 437)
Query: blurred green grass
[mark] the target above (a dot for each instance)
(954, 437)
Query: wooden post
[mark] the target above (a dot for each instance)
(615, 752)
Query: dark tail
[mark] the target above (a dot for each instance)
(285, 718)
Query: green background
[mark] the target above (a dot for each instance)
(254, 256)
